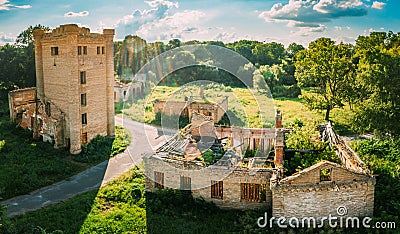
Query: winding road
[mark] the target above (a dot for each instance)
(144, 139)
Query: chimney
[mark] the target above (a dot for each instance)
(201, 94)
(279, 152)
(278, 119)
(279, 141)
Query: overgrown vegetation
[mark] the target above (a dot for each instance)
(122, 206)
(210, 157)
(170, 121)
(26, 164)
(306, 138)
(101, 148)
(382, 156)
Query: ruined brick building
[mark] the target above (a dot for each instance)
(73, 100)
(193, 104)
(234, 181)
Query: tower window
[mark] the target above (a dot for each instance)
(82, 49)
(84, 119)
(84, 138)
(83, 99)
(83, 77)
(47, 109)
(103, 50)
(98, 49)
(54, 51)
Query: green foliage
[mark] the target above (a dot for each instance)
(102, 148)
(121, 141)
(210, 157)
(292, 91)
(377, 101)
(170, 121)
(118, 207)
(17, 63)
(6, 226)
(329, 69)
(250, 153)
(26, 164)
(306, 138)
(2, 144)
(382, 156)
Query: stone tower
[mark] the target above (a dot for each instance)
(75, 73)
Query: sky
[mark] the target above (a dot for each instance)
(283, 21)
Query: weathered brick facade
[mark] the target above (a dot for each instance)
(314, 192)
(307, 194)
(201, 181)
(73, 102)
(186, 109)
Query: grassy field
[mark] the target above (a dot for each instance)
(255, 109)
(27, 164)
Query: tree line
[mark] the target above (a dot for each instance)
(273, 62)
(364, 76)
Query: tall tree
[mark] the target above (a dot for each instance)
(328, 68)
(18, 62)
(378, 80)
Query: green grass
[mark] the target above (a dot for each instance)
(246, 108)
(102, 148)
(27, 164)
(122, 206)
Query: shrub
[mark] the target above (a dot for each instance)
(101, 148)
(292, 91)
(169, 121)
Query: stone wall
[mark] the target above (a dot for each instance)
(186, 109)
(22, 106)
(305, 195)
(249, 138)
(201, 178)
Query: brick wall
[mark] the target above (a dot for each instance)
(305, 195)
(319, 200)
(58, 79)
(201, 180)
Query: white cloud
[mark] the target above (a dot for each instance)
(76, 14)
(311, 13)
(179, 25)
(307, 31)
(340, 28)
(157, 3)
(129, 24)
(5, 5)
(6, 38)
(227, 37)
(23, 7)
(378, 5)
